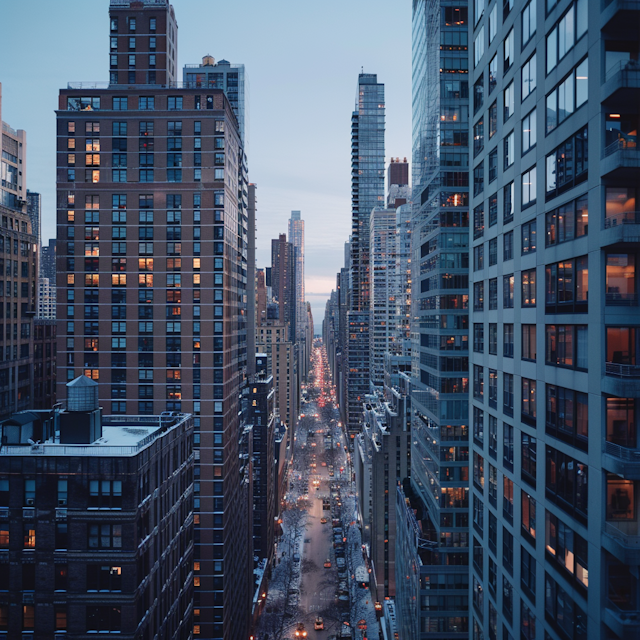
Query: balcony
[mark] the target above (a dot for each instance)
(625, 623)
(622, 82)
(622, 227)
(621, 540)
(622, 461)
(622, 380)
(621, 158)
(620, 16)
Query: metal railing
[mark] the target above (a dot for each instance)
(626, 540)
(624, 217)
(622, 370)
(623, 453)
(630, 70)
(7, 129)
(622, 144)
(178, 84)
(621, 299)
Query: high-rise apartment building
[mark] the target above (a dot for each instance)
(45, 348)
(18, 275)
(296, 238)
(554, 449)
(152, 267)
(432, 552)
(96, 522)
(367, 192)
(34, 211)
(283, 281)
(398, 190)
(223, 75)
(382, 300)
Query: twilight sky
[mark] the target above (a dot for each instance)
(302, 60)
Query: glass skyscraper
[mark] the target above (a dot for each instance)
(367, 192)
(432, 531)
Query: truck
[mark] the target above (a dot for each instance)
(362, 576)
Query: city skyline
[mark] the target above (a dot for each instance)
(302, 172)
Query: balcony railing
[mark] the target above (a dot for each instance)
(622, 370)
(622, 144)
(632, 542)
(624, 217)
(623, 453)
(621, 299)
(629, 69)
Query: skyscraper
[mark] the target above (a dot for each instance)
(555, 444)
(283, 281)
(223, 75)
(34, 211)
(367, 192)
(432, 552)
(20, 271)
(152, 256)
(296, 238)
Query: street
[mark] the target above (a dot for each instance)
(302, 589)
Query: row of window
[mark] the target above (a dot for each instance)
(122, 103)
(144, 175)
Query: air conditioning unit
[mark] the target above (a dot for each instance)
(30, 502)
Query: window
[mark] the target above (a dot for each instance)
(509, 50)
(104, 578)
(529, 76)
(478, 179)
(493, 209)
(621, 421)
(103, 619)
(567, 415)
(507, 498)
(478, 471)
(479, 6)
(493, 23)
(507, 400)
(529, 288)
(509, 101)
(105, 494)
(620, 285)
(478, 257)
(571, 27)
(567, 483)
(507, 447)
(478, 296)
(478, 137)
(528, 131)
(493, 119)
(529, 401)
(568, 165)
(29, 493)
(507, 291)
(528, 22)
(568, 549)
(493, 73)
(508, 203)
(493, 388)
(174, 103)
(478, 382)
(493, 436)
(478, 47)
(562, 612)
(478, 425)
(528, 564)
(29, 537)
(478, 222)
(493, 294)
(529, 237)
(529, 342)
(566, 346)
(509, 149)
(529, 458)
(493, 164)
(104, 536)
(568, 222)
(567, 286)
(493, 252)
(493, 338)
(120, 103)
(478, 337)
(146, 103)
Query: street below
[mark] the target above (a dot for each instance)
(313, 588)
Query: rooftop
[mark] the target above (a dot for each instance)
(121, 436)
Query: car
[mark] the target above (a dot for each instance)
(327, 564)
(323, 521)
(296, 557)
(318, 624)
(324, 464)
(300, 631)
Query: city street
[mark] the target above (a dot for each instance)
(318, 585)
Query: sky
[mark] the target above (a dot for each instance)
(302, 60)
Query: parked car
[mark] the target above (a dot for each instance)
(327, 564)
(319, 623)
(296, 557)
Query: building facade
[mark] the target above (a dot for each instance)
(554, 430)
(296, 238)
(367, 192)
(18, 270)
(45, 348)
(432, 567)
(99, 543)
(152, 267)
